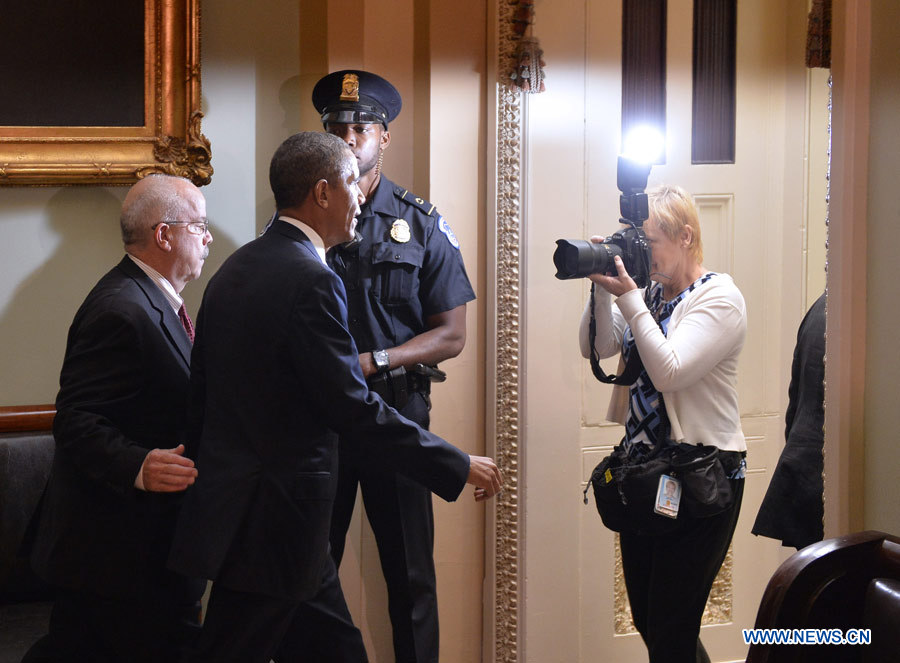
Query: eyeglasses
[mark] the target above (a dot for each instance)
(193, 227)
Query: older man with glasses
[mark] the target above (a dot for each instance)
(119, 468)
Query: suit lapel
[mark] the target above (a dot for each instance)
(168, 321)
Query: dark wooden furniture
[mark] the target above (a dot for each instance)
(850, 582)
(26, 454)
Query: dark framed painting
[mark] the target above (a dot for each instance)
(100, 92)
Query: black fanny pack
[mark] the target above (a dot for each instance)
(629, 491)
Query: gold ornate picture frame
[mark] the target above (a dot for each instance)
(169, 141)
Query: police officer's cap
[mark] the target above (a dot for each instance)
(350, 96)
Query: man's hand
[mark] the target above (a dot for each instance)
(167, 470)
(485, 476)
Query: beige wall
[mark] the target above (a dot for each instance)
(816, 211)
(862, 365)
(54, 243)
(882, 416)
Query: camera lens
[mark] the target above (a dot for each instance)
(576, 258)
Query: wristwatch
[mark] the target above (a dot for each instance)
(382, 360)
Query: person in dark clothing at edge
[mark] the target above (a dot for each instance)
(407, 291)
(792, 510)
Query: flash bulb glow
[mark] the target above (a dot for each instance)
(643, 144)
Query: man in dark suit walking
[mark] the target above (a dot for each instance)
(119, 469)
(275, 379)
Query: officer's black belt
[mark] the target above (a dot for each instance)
(396, 386)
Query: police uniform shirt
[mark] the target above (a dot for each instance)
(407, 267)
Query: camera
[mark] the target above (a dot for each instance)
(579, 258)
(576, 258)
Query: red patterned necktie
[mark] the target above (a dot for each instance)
(186, 322)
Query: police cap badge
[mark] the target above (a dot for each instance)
(349, 96)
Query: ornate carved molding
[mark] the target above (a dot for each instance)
(188, 158)
(507, 297)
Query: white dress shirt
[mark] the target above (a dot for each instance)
(309, 232)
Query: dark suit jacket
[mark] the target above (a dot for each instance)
(792, 509)
(123, 391)
(275, 378)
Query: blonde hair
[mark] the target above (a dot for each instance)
(673, 208)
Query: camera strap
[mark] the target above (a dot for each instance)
(633, 366)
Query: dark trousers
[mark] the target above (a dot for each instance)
(86, 627)
(252, 628)
(400, 513)
(669, 577)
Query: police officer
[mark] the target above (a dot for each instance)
(407, 291)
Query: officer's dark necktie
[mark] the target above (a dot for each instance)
(186, 322)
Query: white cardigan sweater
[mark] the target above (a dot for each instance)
(695, 367)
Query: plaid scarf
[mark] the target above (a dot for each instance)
(647, 423)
